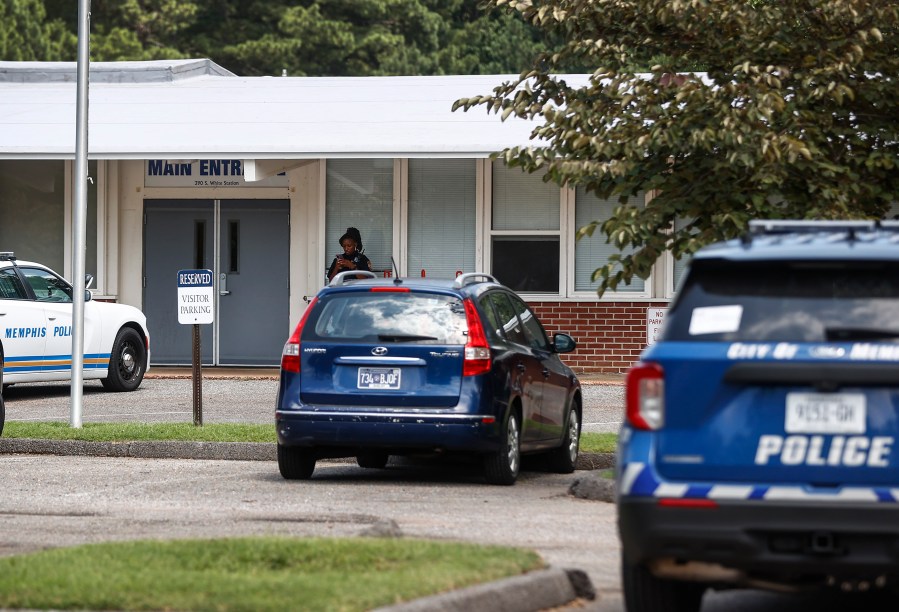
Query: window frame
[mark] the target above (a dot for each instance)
(608, 296)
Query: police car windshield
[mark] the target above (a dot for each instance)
(787, 301)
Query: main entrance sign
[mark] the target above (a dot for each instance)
(203, 173)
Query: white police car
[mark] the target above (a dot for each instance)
(759, 448)
(36, 331)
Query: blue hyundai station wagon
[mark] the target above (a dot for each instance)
(759, 448)
(398, 366)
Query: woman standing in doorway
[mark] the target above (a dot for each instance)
(352, 257)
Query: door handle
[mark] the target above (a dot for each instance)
(521, 367)
(223, 284)
(546, 373)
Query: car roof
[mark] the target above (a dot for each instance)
(810, 241)
(465, 283)
(5, 263)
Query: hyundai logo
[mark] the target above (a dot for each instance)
(379, 350)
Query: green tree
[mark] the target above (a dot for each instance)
(133, 30)
(27, 35)
(794, 117)
(311, 37)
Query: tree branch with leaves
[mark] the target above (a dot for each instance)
(723, 110)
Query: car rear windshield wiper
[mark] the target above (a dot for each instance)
(403, 337)
(858, 333)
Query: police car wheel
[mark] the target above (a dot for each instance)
(295, 463)
(643, 592)
(502, 466)
(372, 460)
(127, 363)
(563, 460)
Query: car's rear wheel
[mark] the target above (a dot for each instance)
(372, 460)
(643, 592)
(502, 466)
(127, 363)
(563, 459)
(295, 463)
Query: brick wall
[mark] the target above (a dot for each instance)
(610, 335)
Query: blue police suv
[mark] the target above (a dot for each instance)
(759, 448)
(380, 367)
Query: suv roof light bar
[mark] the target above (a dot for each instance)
(7, 256)
(792, 226)
(472, 277)
(350, 275)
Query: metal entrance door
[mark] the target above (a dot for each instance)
(246, 244)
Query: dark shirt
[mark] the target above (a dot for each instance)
(362, 263)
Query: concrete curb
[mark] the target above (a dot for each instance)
(539, 590)
(234, 451)
(239, 451)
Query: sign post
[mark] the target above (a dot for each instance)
(196, 306)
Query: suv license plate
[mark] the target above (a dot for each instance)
(378, 378)
(825, 413)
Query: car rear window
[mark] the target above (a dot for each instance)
(423, 318)
(787, 301)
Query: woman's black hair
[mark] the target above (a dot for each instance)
(352, 232)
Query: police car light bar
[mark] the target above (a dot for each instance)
(791, 226)
(7, 256)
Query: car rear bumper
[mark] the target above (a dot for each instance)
(395, 430)
(764, 540)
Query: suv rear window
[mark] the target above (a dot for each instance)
(423, 318)
(786, 301)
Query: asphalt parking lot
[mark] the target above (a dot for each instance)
(228, 396)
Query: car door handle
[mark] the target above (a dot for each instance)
(546, 373)
(521, 367)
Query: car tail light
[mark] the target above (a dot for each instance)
(678, 502)
(646, 396)
(290, 356)
(477, 351)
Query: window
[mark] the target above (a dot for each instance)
(525, 230)
(592, 252)
(390, 317)
(32, 204)
(680, 265)
(47, 286)
(10, 286)
(441, 217)
(510, 326)
(533, 330)
(359, 193)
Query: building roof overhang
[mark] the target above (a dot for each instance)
(194, 109)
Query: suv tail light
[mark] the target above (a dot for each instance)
(646, 396)
(290, 356)
(477, 351)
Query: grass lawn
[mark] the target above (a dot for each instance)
(266, 573)
(217, 432)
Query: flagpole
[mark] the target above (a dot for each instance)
(79, 221)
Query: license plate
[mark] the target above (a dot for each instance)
(378, 378)
(825, 413)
